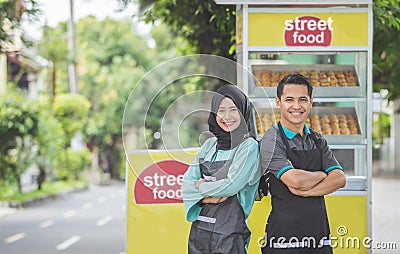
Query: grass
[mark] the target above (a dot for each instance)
(48, 188)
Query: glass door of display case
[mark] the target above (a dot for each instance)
(339, 90)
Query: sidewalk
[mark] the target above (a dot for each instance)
(385, 212)
(5, 211)
(7, 208)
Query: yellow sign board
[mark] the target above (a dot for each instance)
(156, 220)
(308, 29)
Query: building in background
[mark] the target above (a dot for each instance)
(20, 65)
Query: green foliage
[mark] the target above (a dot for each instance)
(18, 129)
(207, 26)
(108, 69)
(18, 118)
(50, 140)
(71, 110)
(9, 193)
(386, 47)
(71, 164)
(8, 189)
(380, 127)
(53, 47)
(53, 44)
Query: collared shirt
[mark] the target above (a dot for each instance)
(273, 156)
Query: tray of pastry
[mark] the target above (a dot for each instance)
(338, 125)
(328, 80)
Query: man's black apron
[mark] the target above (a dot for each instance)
(220, 228)
(299, 220)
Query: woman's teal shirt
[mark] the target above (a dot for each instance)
(242, 179)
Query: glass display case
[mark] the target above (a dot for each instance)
(339, 81)
(330, 42)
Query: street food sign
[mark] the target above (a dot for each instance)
(308, 31)
(160, 183)
(155, 216)
(299, 29)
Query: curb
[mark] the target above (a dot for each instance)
(35, 201)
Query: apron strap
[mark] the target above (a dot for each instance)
(314, 137)
(283, 136)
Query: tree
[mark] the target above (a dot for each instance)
(18, 129)
(386, 48)
(50, 141)
(108, 69)
(208, 27)
(53, 46)
(71, 110)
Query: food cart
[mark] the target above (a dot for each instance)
(330, 42)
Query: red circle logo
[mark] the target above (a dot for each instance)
(160, 183)
(308, 31)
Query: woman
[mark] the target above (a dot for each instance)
(219, 187)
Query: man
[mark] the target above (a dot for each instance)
(301, 169)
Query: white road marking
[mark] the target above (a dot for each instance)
(104, 221)
(68, 243)
(14, 238)
(46, 224)
(69, 214)
(88, 205)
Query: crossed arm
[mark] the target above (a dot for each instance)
(208, 199)
(243, 171)
(313, 183)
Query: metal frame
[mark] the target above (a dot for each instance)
(365, 99)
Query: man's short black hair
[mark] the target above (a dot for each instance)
(293, 79)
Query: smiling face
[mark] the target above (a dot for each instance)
(295, 105)
(228, 115)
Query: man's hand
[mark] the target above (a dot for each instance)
(297, 192)
(301, 179)
(335, 180)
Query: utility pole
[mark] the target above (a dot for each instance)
(73, 88)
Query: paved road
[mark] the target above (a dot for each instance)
(93, 222)
(81, 223)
